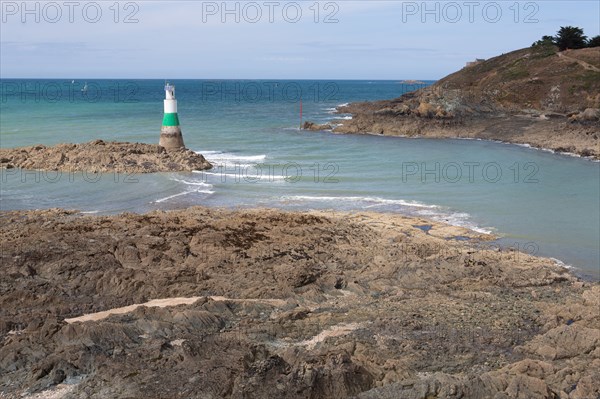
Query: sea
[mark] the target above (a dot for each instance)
(536, 201)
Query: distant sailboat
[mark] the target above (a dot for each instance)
(85, 88)
(73, 81)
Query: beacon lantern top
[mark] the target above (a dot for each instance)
(170, 91)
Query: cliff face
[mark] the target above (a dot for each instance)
(535, 95)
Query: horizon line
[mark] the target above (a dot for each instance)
(291, 79)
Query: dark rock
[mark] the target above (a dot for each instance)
(315, 127)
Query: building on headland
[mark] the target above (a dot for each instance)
(170, 132)
(477, 61)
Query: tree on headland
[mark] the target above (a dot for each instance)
(544, 41)
(594, 41)
(570, 37)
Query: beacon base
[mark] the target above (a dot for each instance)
(171, 137)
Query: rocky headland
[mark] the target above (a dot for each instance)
(103, 156)
(536, 96)
(206, 303)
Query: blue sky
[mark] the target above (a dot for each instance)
(195, 39)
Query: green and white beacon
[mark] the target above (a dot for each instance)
(170, 132)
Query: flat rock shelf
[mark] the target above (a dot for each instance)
(207, 303)
(101, 156)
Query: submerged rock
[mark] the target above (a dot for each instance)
(315, 126)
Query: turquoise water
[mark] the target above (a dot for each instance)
(543, 203)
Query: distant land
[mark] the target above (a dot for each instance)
(536, 96)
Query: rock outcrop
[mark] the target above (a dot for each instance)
(102, 156)
(534, 96)
(285, 305)
(315, 126)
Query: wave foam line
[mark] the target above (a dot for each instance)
(183, 193)
(525, 145)
(378, 201)
(192, 183)
(218, 156)
(455, 219)
(560, 263)
(459, 219)
(240, 176)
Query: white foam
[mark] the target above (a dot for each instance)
(376, 201)
(192, 183)
(459, 219)
(427, 213)
(525, 145)
(344, 105)
(224, 157)
(173, 196)
(183, 193)
(217, 174)
(240, 176)
(231, 166)
(560, 263)
(433, 212)
(570, 154)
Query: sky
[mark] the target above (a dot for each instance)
(271, 39)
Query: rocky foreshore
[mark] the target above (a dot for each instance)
(266, 303)
(103, 156)
(535, 96)
(554, 132)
